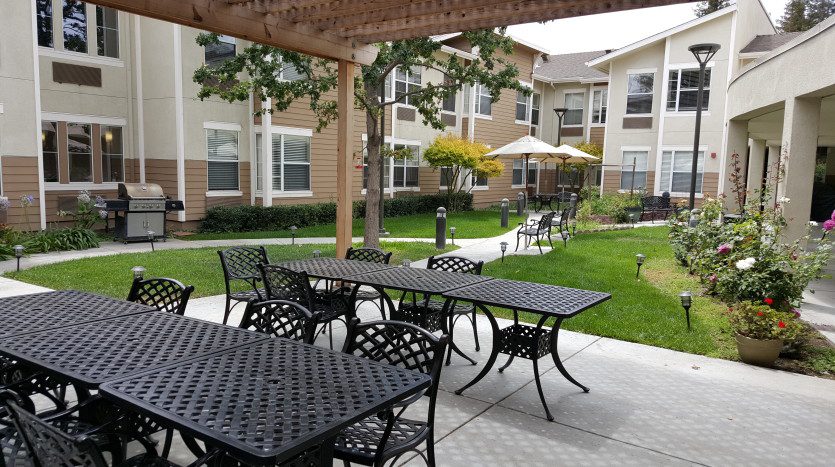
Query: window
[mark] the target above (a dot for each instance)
(535, 105)
(107, 28)
(49, 142)
(483, 101)
(447, 175)
(533, 167)
(222, 159)
(521, 107)
(80, 150)
(291, 162)
(518, 165)
(574, 104)
(386, 165)
(639, 159)
(406, 80)
(639, 93)
(112, 154)
(218, 53)
(75, 26)
(43, 21)
(676, 168)
(684, 90)
(406, 169)
(478, 180)
(288, 72)
(448, 104)
(599, 106)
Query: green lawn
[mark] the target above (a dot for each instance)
(111, 275)
(471, 224)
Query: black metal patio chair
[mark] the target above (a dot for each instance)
(240, 264)
(369, 255)
(63, 440)
(285, 284)
(281, 318)
(169, 295)
(537, 230)
(388, 435)
(653, 206)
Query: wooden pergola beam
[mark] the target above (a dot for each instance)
(238, 20)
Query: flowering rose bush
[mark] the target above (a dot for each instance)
(760, 321)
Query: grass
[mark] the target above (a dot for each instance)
(470, 224)
(111, 275)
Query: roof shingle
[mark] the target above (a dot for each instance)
(572, 66)
(768, 42)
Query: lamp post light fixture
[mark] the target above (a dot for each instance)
(18, 253)
(293, 229)
(639, 260)
(452, 234)
(407, 263)
(686, 301)
(573, 223)
(317, 253)
(151, 235)
(560, 111)
(703, 53)
(503, 246)
(138, 272)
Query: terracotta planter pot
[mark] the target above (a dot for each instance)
(761, 352)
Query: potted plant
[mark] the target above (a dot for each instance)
(761, 331)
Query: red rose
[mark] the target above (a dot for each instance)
(760, 313)
(769, 301)
(781, 324)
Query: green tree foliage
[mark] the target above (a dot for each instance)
(708, 7)
(461, 159)
(802, 15)
(819, 10)
(255, 71)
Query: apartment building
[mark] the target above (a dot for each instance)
(652, 101)
(99, 96)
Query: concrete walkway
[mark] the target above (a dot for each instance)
(819, 303)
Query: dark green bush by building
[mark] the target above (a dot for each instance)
(253, 218)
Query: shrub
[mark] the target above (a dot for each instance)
(612, 205)
(87, 212)
(74, 238)
(252, 218)
(760, 321)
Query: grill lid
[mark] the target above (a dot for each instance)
(140, 191)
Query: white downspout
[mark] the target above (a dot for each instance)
(140, 101)
(178, 119)
(36, 81)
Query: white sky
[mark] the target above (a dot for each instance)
(613, 30)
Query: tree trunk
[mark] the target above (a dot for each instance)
(371, 236)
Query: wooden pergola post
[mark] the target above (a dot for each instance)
(345, 151)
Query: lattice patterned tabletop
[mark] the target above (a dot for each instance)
(23, 314)
(418, 280)
(333, 268)
(528, 296)
(93, 353)
(267, 400)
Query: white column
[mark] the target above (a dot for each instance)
(179, 116)
(800, 141)
(36, 84)
(774, 154)
(140, 99)
(756, 163)
(266, 155)
(737, 143)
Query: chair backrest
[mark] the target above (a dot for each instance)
(48, 445)
(281, 318)
(455, 264)
(655, 202)
(369, 255)
(563, 197)
(545, 221)
(563, 221)
(169, 295)
(281, 283)
(241, 262)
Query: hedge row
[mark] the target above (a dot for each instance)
(252, 218)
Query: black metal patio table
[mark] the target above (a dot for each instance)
(525, 341)
(333, 269)
(24, 314)
(268, 401)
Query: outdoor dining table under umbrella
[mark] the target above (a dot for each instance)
(526, 146)
(567, 155)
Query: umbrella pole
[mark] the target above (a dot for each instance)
(563, 170)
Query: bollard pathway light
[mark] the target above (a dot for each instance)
(440, 228)
(565, 238)
(686, 301)
(18, 253)
(505, 212)
(452, 234)
(293, 229)
(138, 272)
(632, 218)
(317, 253)
(503, 246)
(639, 260)
(407, 263)
(151, 235)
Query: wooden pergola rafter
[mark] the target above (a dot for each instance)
(344, 30)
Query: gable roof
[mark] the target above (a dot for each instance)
(530, 45)
(571, 67)
(605, 59)
(768, 42)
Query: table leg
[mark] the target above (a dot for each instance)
(446, 326)
(536, 373)
(494, 352)
(554, 336)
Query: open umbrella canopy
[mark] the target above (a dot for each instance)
(568, 155)
(525, 146)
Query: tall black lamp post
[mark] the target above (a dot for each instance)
(703, 53)
(560, 111)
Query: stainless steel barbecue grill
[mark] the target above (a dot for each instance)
(140, 211)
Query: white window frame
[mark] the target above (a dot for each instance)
(278, 132)
(647, 71)
(678, 69)
(624, 162)
(69, 154)
(526, 103)
(57, 152)
(102, 131)
(408, 83)
(87, 16)
(582, 93)
(404, 166)
(531, 165)
(221, 126)
(537, 108)
(603, 105)
(454, 98)
(478, 95)
(282, 66)
(117, 29)
(703, 149)
(390, 188)
(223, 39)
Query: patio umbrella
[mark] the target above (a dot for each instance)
(526, 146)
(568, 155)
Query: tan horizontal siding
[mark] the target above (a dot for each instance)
(20, 178)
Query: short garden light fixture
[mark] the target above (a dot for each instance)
(686, 301)
(503, 246)
(632, 218)
(452, 234)
(151, 235)
(18, 253)
(639, 260)
(317, 253)
(565, 238)
(573, 223)
(407, 263)
(293, 229)
(138, 272)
